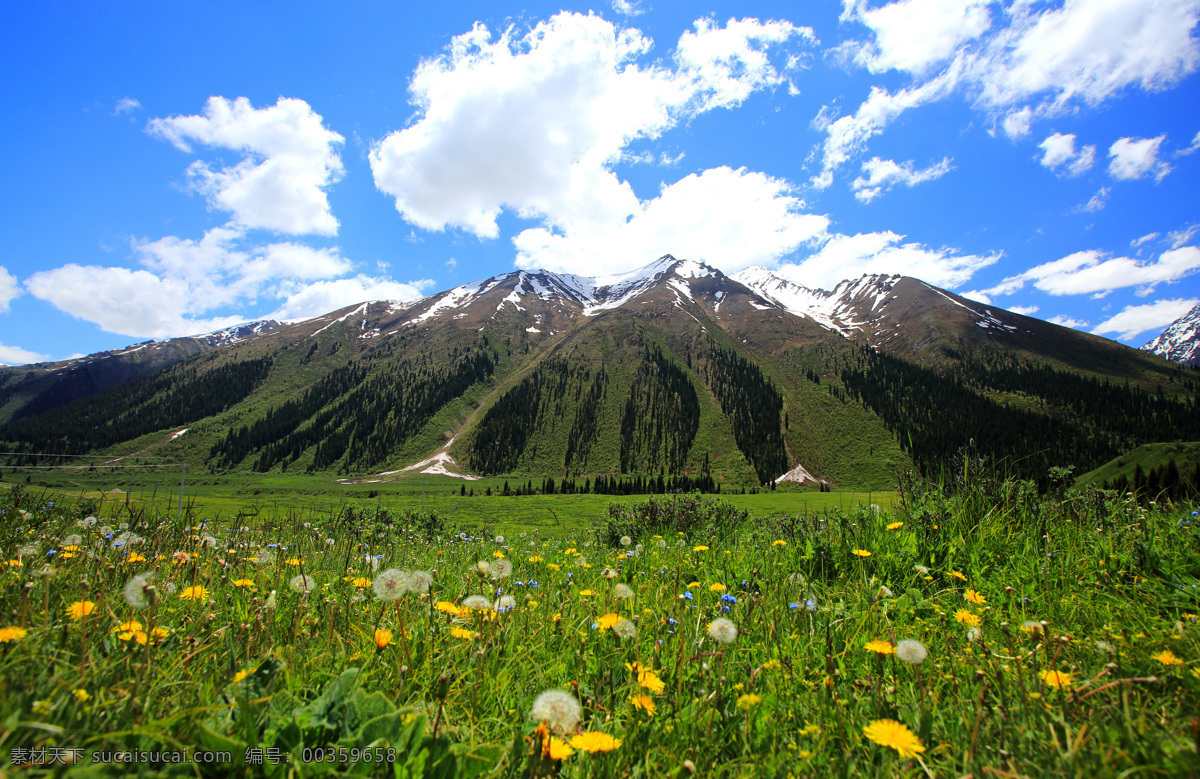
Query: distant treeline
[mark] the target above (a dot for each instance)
(1165, 482)
(173, 397)
(1056, 417)
(612, 485)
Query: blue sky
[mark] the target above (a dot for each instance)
(178, 168)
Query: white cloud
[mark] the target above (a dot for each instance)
(849, 256)
(1134, 320)
(136, 303)
(627, 7)
(1018, 124)
(1195, 146)
(1182, 236)
(1136, 242)
(1096, 202)
(1134, 158)
(536, 123)
(15, 355)
(1067, 321)
(451, 263)
(882, 175)
(847, 136)
(729, 218)
(1025, 310)
(8, 288)
(183, 282)
(1059, 150)
(291, 159)
(126, 105)
(1086, 51)
(1045, 58)
(324, 296)
(977, 295)
(915, 35)
(1089, 272)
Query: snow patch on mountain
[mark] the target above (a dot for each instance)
(1180, 342)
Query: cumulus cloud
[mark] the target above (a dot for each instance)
(847, 136)
(1067, 321)
(15, 355)
(1025, 310)
(848, 256)
(182, 283)
(627, 7)
(1135, 158)
(882, 175)
(731, 219)
(291, 159)
(8, 288)
(1093, 272)
(915, 35)
(321, 297)
(1059, 150)
(536, 123)
(1135, 320)
(1041, 60)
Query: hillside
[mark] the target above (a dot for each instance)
(672, 370)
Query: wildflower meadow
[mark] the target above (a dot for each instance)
(976, 630)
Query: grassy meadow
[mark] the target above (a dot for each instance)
(973, 629)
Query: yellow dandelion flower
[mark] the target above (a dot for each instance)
(557, 749)
(1167, 658)
(128, 627)
(498, 554)
(80, 609)
(772, 665)
(608, 620)
(196, 592)
(651, 682)
(779, 542)
(644, 702)
(967, 618)
(718, 587)
(12, 633)
(595, 742)
(586, 593)
(553, 566)
(362, 582)
(243, 583)
(1056, 679)
(880, 647)
(294, 561)
(160, 634)
(462, 633)
(958, 575)
(889, 733)
(861, 552)
(237, 677)
(81, 695)
(134, 557)
(535, 559)
(382, 638)
(749, 700)
(700, 548)
(895, 526)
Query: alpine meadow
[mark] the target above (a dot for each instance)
(474, 390)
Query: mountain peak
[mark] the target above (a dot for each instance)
(1180, 342)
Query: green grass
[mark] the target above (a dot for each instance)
(1150, 457)
(1077, 601)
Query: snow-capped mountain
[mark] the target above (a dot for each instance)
(1180, 342)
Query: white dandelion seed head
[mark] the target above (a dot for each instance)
(885, 591)
(330, 542)
(477, 602)
(505, 602)
(358, 596)
(169, 588)
(1031, 626)
(420, 581)
(624, 629)
(974, 634)
(609, 573)
(136, 590)
(390, 584)
(87, 522)
(1105, 648)
(270, 604)
(581, 560)
(46, 571)
(501, 569)
(911, 651)
(639, 549)
(303, 584)
(209, 542)
(921, 570)
(483, 566)
(626, 540)
(662, 544)
(28, 550)
(623, 592)
(373, 562)
(72, 540)
(499, 539)
(722, 631)
(558, 709)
